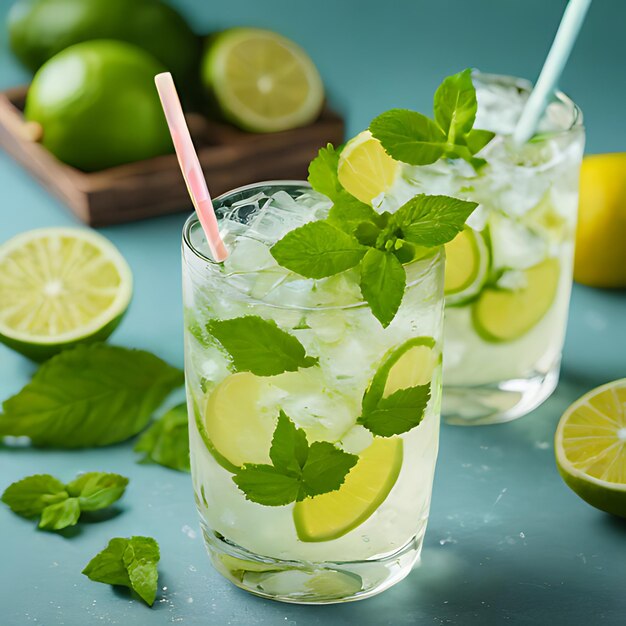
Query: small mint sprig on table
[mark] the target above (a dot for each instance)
(415, 139)
(58, 505)
(298, 470)
(354, 235)
(129, 563)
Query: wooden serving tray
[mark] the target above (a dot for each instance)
(229, 158)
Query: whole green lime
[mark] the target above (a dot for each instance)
(98, 106)
(39, 29)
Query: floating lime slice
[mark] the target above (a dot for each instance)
(234, 429)
(60, 287)
(336, 513)
(590, 447)
(365, 170)
(261, 81)
(467, 265)
(505, 315)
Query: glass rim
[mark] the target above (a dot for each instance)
(213, 266)
(559, 96)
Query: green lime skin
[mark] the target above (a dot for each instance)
(39, 29)
(98, 106)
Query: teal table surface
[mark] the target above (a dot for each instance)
(507, 542)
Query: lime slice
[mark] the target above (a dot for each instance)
(234, 568)
(502, 315)
(467, 265)
(590, 447)
(60, 287)
(235, 430)
(409, 365)
(336, 513)
(261, 81)
(365, 170)
(545, 220)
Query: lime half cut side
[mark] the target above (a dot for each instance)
(365, 170)
(501, 315)
(262, 82)
(332, 515)
(590, 447)
(467, 267)
(60, 287)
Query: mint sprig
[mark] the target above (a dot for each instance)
(259, 346)
(298, 470)
(129, 563)
(354, 235)
(166, 440)
(92, 395)
(323, 172)
(415, 139)
(59, 505)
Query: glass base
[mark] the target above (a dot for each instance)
(302, 582)
(498, 402)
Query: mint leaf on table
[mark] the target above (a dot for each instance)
(92, 395)
(166, 441)
(60, 515)
(323, 172)
(317, 250)
(97, 490)
(397, 413)
(61, 505)
(298, 470)
(432, 220)
(409, 136)
(129, 563)
(455, 105)
(415, 139)
(383, 280)
(259, 346)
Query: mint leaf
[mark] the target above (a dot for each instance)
(267, 485)
(61, 505)
(31, 495)
(166, 441)
(323, 172)
(397, 413)
(347, 213)
(477, 139)
(129, 563)
(317, 250)
(383, 280)
(92, 395)
(259, 346)
(326, 468)
(297, 471)
(60, 515)
(289, 448)
(409, 136)
(432, 220)
(455, 105)
(97, 490)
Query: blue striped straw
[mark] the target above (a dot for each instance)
(570, 26)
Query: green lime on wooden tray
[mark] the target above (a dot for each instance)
(261, 81)
(60, 287)
(590, 447)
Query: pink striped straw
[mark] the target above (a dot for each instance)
(189, 164)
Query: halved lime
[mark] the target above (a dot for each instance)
(590, 447)
(365, 170)
(262, 82)
(467, 265)
(369, 482)
(60, 287)
(233, 424)
(504, 315)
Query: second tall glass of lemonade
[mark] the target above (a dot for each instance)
(279, 368)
